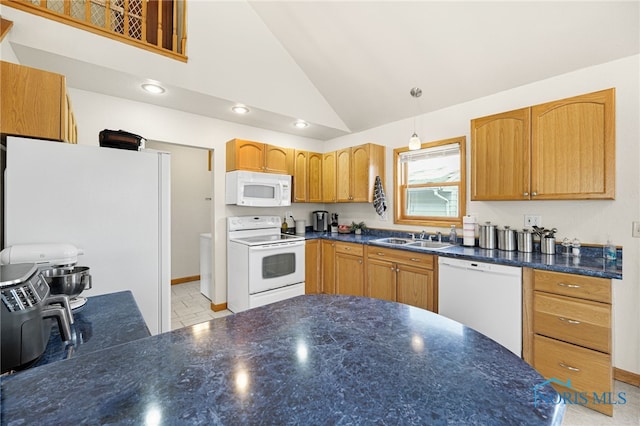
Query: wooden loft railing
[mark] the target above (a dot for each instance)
(156, 25)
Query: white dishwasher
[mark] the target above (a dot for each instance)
(484, 296)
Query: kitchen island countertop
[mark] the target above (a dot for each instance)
(314, 359)
(589, 264)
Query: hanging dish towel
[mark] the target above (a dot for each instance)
(379, 201)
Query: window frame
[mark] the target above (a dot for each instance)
(399, 212)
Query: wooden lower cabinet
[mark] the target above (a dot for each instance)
(328, 254)
(312, 267)
(349, 269)
(401, 276)
(567, 333)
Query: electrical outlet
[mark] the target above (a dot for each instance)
(636, 230)
(532, 220)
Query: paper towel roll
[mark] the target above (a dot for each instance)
(300, 227)
(469, 230)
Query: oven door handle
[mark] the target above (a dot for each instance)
(276, 246)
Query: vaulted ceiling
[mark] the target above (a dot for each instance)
(342, 66)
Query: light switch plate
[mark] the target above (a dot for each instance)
(636, 230)
(532, 220)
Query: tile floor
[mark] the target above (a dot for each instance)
(190, 307)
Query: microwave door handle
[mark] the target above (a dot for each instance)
(281, 195)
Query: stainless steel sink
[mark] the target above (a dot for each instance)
(429, 244)
(394, 241)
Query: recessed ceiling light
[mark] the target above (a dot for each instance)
(240, 109)
(301, 124)
(153, 88)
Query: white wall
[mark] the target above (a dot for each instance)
(590, 221)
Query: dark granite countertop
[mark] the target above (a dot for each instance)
(590, 263)
(314, 359)
(104, 321)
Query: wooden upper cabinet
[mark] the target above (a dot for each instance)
(315, 181)
(500, 152)
(278, 160)
(356, 171)
(563, 149)
(258, 157)
(329, 177)
(35, 104)
(573, 149)
(300, 176)
(307, 177)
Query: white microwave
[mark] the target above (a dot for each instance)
(256, 189)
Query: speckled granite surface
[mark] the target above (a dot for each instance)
(315, 359)
(590, 263)
(104, 321)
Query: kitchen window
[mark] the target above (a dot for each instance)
(430, 183)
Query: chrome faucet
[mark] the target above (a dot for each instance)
(439, 236)
(412, 235)
(423, 234)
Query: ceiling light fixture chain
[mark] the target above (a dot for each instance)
(414, 141)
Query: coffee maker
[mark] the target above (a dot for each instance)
(320, 220)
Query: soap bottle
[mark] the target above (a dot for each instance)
(453, 235)
(609, 250)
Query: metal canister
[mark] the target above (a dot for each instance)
(487, 238)
(548, 245)
(507, 239)
(525, 241)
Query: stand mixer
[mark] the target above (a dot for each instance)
(56, 262)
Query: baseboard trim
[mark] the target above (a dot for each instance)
(218, 308)
(185, 279)
(626, 376)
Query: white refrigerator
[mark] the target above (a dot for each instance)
(114, 204)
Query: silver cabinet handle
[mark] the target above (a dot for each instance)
(380, 253)
(392, 268)
(569, 285)
(568, 367)
(359, 261)
(397, 269)
(534, 194)
(526, 194)
(569, 321)
(413, 259)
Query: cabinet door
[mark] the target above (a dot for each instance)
(381, 279)
(343, 175)
(32, 102)
(314, 177)
(312, 267)
(300, 177)
(245, 155)
(349, 274)
(416, 287)
(573, 148)
(361, 182)
(500, 152)
(278, 160)
(328, 267)
(329, 177)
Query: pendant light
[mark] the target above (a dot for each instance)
(414, 141)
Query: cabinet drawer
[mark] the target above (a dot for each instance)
(589, 371)
(582, 322)
(590, 288)
(350, 248)
(401, 256)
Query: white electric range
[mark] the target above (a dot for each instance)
(263, 265)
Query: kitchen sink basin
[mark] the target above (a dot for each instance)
(429, 244)
(393, 241)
